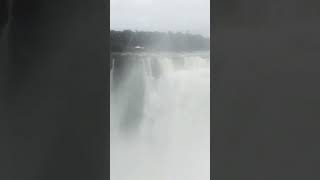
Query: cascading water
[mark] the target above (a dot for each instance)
(160, 117)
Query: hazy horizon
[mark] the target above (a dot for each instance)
(135, 30)
(192, 16)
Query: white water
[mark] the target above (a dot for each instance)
(173, 138)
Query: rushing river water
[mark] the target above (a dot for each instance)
(160, 117)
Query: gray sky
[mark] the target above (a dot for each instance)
(161, 15)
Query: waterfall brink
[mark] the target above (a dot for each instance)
(160, 116)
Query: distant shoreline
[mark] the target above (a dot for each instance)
(202, 54)
(142, 41)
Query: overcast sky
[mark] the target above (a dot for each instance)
(161, 15)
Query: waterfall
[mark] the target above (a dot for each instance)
(160, 116)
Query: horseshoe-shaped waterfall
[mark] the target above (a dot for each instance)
(160, 116)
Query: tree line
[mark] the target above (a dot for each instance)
(127, 40)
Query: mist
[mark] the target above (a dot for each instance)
(160, 116)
